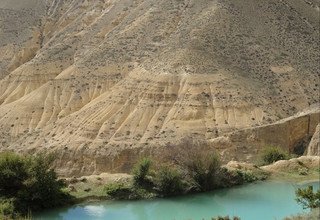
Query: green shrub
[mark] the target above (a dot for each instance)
(273, 154)
(126, 191)
(246, 176)
(140, 172)
(204, 171)
(42, 189)
(197, 161)
(307, 198)
(30, 183)
(7, 209)
(13, 172)
(118, 190)
(169, 181)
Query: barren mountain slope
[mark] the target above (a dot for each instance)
(100, 81)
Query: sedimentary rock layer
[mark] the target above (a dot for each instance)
(100, 81)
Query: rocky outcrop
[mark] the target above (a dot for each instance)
(314, 146)
(294, 165)
(292, 134)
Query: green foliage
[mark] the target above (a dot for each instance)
(7, 209)
(29, 184)
(246, 177)
(169, 181)
(189, 171)
(307, 198)
(13, 172)
(204, 171)
(140, 172)
(118, 190)
(197, 161)
(273, 154)
(42, 189)
(126, 191)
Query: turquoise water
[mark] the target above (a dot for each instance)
(260, 201)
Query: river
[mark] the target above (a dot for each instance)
(258, 201)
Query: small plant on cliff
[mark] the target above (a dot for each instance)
(273, 154)
(140, 172)
(307, 198)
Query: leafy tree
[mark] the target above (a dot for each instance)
(29, 184)
(13, 172)
(42, 188)
(307, 198)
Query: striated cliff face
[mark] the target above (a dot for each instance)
(293, 134)
(99, 82)
(314, 146)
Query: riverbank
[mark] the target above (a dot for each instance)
(298, 170)
(247, 202)
(91, 188)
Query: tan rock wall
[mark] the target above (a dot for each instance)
(314, 146)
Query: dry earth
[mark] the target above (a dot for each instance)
(101, 82)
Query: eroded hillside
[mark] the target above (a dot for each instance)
(100, 81)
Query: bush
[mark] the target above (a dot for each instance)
(246, 177)
(140, 172)
(204, 171)
(307, 198)
(29, 183)
(7, 209)
(126, 191)
(42, 189)
(197, 161)
(13, 172)
(169, 181)
(273, 154)
(118, 190)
